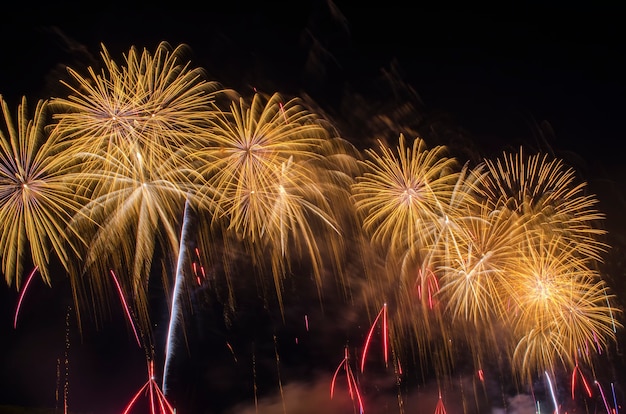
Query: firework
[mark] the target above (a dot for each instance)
(265, 175)
(545, 193)
(472, 284)
(37, 194)
(399, 195)
(157, 100)
(130, 126)
(561, 307)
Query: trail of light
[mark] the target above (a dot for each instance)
(232, 351)
(385, 344)
(481, 375)
(255, 387)
(306, 322)
(178, 286)
(606, 404)
(66, 385)
(282, 110)
(353, 388)
(280, 383)
(126, 309)
(556, 406)
(158, 401)
(432, 283)
(583, 380)
(614, 398)
(19, 302)
(595, 339)
(200, 263)
(608, 305)
(383, 312)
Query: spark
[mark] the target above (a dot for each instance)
(582, 378)
(606, 404)
(353, 388)
(125, 305)
(158, 402)
(614, 398)
(22, 294)
(551, 388)
(383, 313)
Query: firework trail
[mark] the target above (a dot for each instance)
(125, 306)
(352, 383)
(176, 316)
(22, 294)
(383, 313)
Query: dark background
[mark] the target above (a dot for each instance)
(481, 80)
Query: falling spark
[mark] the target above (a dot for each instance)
(352, 384)
(158, 402)
(280, 384)
(383, 313)
(614, 398)
(606, 404)
(232, 351)
(556, 406)
(126, 309)
(610, 311)
(66, 385)
(19, 302)
(256, 397)
(583, 380)
(306, 322)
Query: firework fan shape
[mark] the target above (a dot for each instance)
(37, 195)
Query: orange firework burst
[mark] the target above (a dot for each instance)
(562, 307)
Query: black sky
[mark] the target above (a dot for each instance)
(547, 77)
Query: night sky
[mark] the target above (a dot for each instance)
(484, 80)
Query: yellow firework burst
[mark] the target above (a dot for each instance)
(400, 194)
(157, 100)
(137, 201)
(547, 195)
(472, 283)
(264, 171)
(130, 126)
(37, 194)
